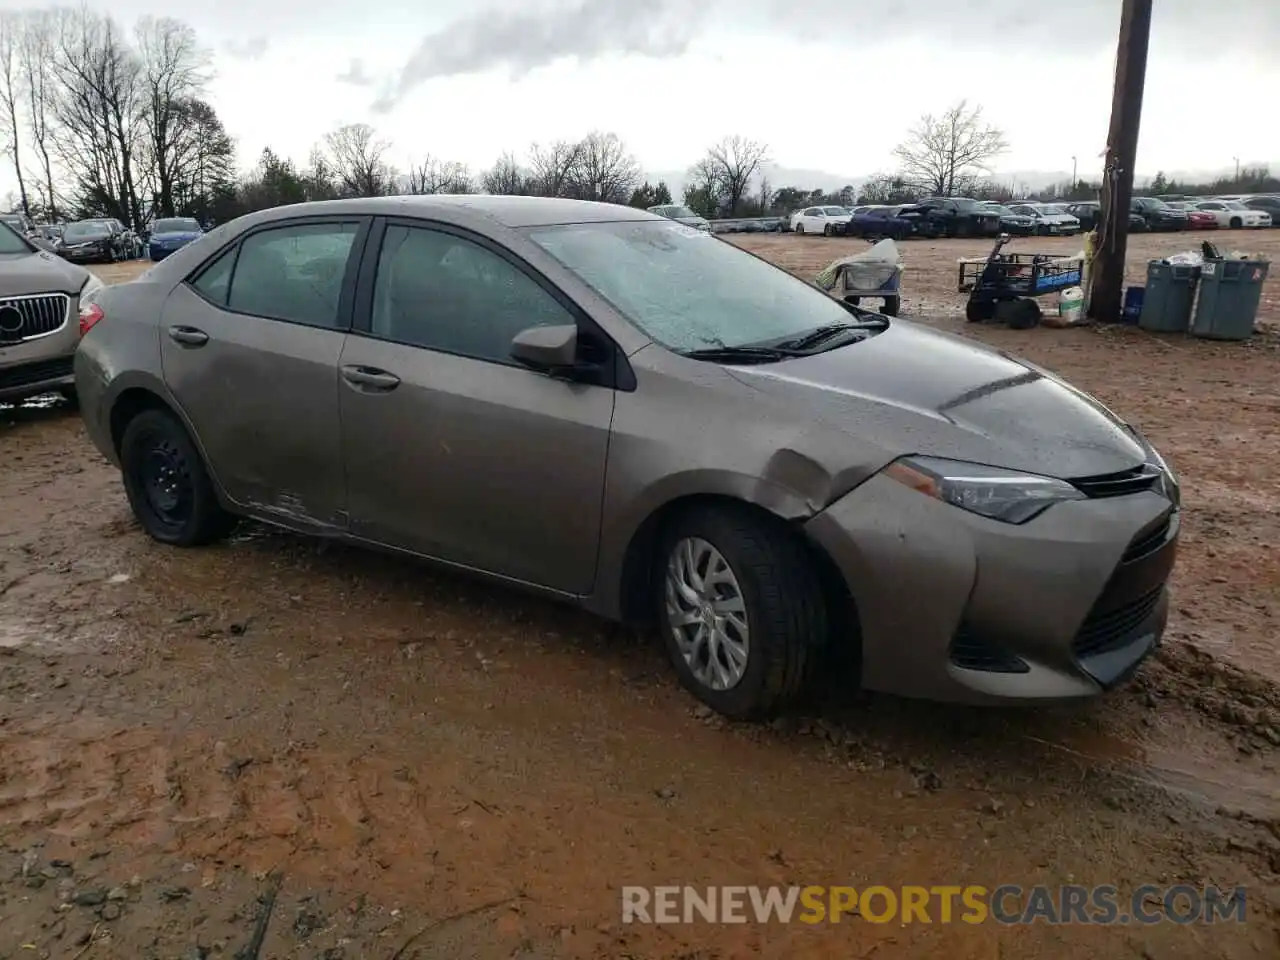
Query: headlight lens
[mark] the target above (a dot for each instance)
(1004, 495)
(91, 288)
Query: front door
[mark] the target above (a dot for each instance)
(453, 450)
(250, 350)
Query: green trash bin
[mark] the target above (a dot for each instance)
(1169, 296)
(1230, 291)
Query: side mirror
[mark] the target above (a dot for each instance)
(549, 349)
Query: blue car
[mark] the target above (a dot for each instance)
(173, 234)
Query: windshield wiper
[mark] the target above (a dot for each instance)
(744, 354)
(822, 334)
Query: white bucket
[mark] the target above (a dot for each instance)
(1071, 305)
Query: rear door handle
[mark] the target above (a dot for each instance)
(188, 336)
(371, 378)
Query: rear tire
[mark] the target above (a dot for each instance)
(1024, 313)
(754, 573)
(891, 306)
(826, 231)
(167, 484)
(799, 228)
(1236, 223)
(976, 311)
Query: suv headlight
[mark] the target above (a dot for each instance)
(1005, 495)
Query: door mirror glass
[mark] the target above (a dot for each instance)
(546, 348)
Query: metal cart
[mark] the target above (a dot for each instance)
(875, 273)
(1015, 278)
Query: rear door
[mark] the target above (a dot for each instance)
(452, 449)
(250, 345)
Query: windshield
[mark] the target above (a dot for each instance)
(967, 206)
(680, 212)
(685, 288)
(88, 230)
(835, 211)
(11, 241)
(176, 225)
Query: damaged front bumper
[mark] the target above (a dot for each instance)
(953, 606)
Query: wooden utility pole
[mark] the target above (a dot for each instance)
(1122, 151)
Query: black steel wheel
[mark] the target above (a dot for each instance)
(167, 484)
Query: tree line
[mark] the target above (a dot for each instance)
(98, 121)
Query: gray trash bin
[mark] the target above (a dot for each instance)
(1170, 293)
(1230, 291)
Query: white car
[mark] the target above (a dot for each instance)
(828, 221)
(1232, 214)
(1050, 218)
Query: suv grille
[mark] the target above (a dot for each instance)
(1105, 631)
(38, 316)
(1118, 484)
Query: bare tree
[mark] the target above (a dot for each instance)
(100, 111)
(941, 153)
(553, 167)
(36, 59)
(506, 177)
(729, 167)
(174, 70)
(11, 24)
(433, 175)
(356, 154)
(604, 171)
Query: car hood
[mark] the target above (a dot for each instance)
(185, 237)
(1058, 218)
(27, 273)
(915, 390)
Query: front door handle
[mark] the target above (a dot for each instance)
(371, 378)
(188, 336)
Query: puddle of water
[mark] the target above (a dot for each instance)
(1215, 780)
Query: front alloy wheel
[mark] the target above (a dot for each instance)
(706, 614)
(741, 608)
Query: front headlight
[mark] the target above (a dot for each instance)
(1169, 486)
(1004, 495)
(91, 288)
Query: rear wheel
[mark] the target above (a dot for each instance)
(826, 230)
(891, 306)
(799, 228)
(741, 609)
(167, 484)
(975, 311)
(1024, 313)
(1236, 223)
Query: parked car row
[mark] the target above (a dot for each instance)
(107, 240)
(961, 217)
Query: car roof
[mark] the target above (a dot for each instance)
(507, 211)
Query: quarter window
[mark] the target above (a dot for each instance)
(293, 273)
(444, 292)
(215, 279)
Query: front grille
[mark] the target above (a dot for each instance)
(1106, 631)
(40, 315)
(970, 651)
(1147, 543)
(1118, 484)
(29, 373)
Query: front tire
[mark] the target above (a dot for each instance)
(799, 228)
(741, 609)
(167, 484)
(892, 305)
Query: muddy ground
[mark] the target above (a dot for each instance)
(430, 768)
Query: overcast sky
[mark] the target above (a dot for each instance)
(827, 84)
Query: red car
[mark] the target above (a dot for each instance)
(1196, 219)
